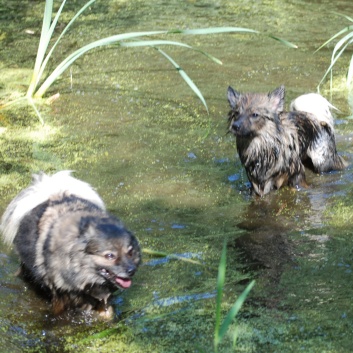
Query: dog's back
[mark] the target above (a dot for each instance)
(42, 188)
(312, 115)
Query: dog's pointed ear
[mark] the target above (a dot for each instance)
(233, 97)
(277, 98)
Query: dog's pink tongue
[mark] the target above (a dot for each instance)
(123, 282)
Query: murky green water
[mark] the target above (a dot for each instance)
(127, 123)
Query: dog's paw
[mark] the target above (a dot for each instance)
(107, 314)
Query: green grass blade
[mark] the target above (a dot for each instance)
(44, 64)
(283, 41)
(341, 42)
(44, 37)
(234, 311)
(213, 30)
(171, 256)
(220, 285)
(342, 15)
(344, 30)
(186, 78)
(154, 43)
(30, 100)
(333, 61)
(49, 35)
(217, 30)
(42, 46)
(350, 72)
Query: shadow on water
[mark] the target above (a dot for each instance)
(127, 124)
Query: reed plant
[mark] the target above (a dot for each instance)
(345, 41)
(42, 80)
(223, 326)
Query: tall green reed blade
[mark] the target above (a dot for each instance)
(350, 72)
(45, 36)
(171, 256)
(217, 30)
(186, 78)
(220, 285)
(336, 54)
(234, 311)
(222, 328)
(344, 30)
(338, 50)
(154, 43)
(45, 61)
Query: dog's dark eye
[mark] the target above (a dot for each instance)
(110, 256)
(254, 115)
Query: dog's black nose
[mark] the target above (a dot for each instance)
(131, 270)
(236, 125)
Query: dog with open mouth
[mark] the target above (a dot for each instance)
(69, 245)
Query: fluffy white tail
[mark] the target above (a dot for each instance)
(42, 188)
(315, 104)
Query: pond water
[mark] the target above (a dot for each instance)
(128, 124)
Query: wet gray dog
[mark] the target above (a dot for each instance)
(273, 145)
(69, 246)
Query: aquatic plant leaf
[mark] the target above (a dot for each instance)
(335, 56)
(43, 44)
(350, 72)
(220, 285)
(45, 61)
(344, 30)
(234, 311)
(343, 15)
(338, 50)
(170, 256)
(31, 102)
(283, 41)
(154, 43)
(214, 30)
(186, 78)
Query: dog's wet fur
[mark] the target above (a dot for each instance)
(274, 145)
(69, 246)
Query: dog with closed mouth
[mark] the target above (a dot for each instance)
(68, 244)
(273, 145)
